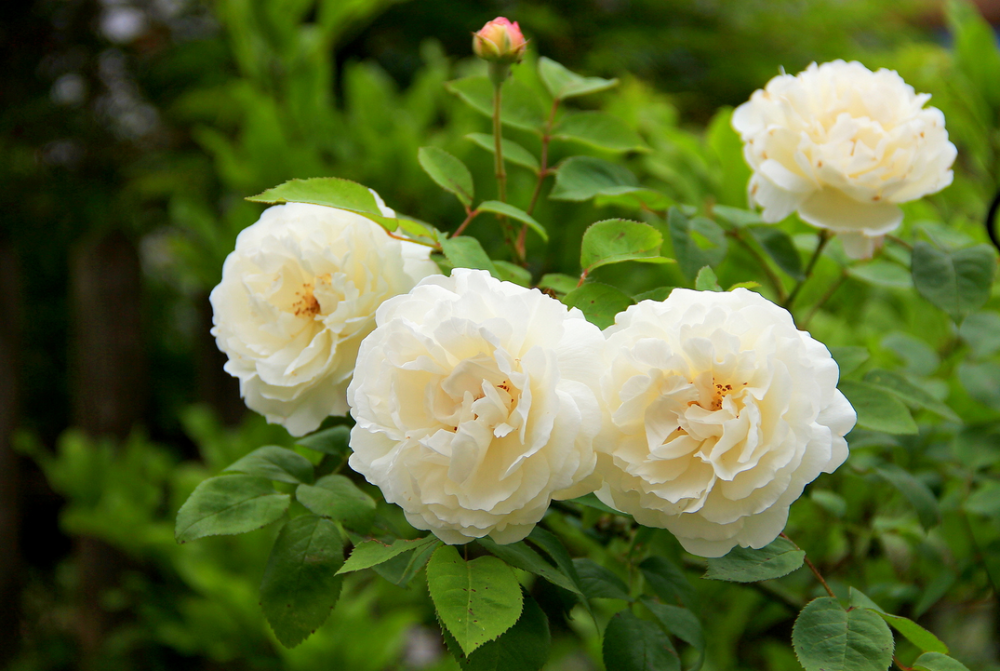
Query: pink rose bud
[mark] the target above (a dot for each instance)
(499, 41)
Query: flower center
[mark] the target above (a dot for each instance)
(306, 304)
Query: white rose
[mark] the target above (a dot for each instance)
(723, 411)
(297, 297)
(476, 405)
(842, 146)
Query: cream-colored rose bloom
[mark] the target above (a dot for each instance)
(476, 405)
(722, 411)
(297, 297)
(843, 146)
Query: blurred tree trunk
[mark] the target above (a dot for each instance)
(216, 387)
(108, 396)
(10, 474)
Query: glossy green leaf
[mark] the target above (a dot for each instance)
(631, 644)
(335, 441)
(524, 647)
(402, 568)
(466, 252)
(336, 497)
(981, 332)
(657, 294)
(914, 633)
(229, 504)
(519, 555)
(619, 240)
(668, 581)
(512, 151)
(985, 500)
(550, 544)
(476, 600)
(335, 192)
(275, 463)
(683, 624)
(849, 359)
(374, 552)
(920, 358)
(448, 172)
(882, 274)
(600, 130)
(980, 380)
(828, 638)
(779, 247)
(558, 282)
(599, 582)
(957, 282)
(584, 177)
(910, 393)
(515, 213)
(706, 280)
(598, 302)
(780, 557)
(519, 105)
(916, 492)
(511, 272)
(698, 242)
(300, 585)
(563, 83)
(935, 661)
(635, 198)
(878, 410)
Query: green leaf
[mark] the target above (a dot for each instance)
(511, 272)
(275, 463)
(581, 178)
(600, 130)
(229, 504)
(600, 583)
(402, 568)
(618, 240)
(985, 500)
(466, 252)
(738, 217)
(524, 647)
(657, 294)
(981, 332)
(300, 585)
(909, 392)
(920, 358)
(698, 242)
(598, 302)
(372, 553)
(831, 502)
(631, 644)
(497, 207)
(876, 409)
(476, 600)
(342, 194)
(914, 633)
(882, 274)
(916, 492)
(335, 441)
(558, 282)
(683, 624)
(512, 151)
(780, 557)
(849, 358)
(980, 380)
(741, 285)
(975, 50)
(706, 280)
(635, 198)
(591, 501)
(957, 282)
(553, 547)
(448, 172)
(828, 638)
(336, 497)
(935, 661)
(779, 247)
(669, 583)
(519, 555)
(563, 83)
(519, 106)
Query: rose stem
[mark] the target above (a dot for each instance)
(762, 262)
(501, 172)
(812, 567)
(543, 172)
(829, 292)
(824, 237)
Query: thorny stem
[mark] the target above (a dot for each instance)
(822, 301)
(543, 172)
(471, 214)
(812, 568)
(762, 262)
(501, 172)
(824, 237)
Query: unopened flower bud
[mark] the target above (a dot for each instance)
(499, 41)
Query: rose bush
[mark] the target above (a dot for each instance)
(476, 405)
(722, 411)
(843, 146)
(296, 299)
